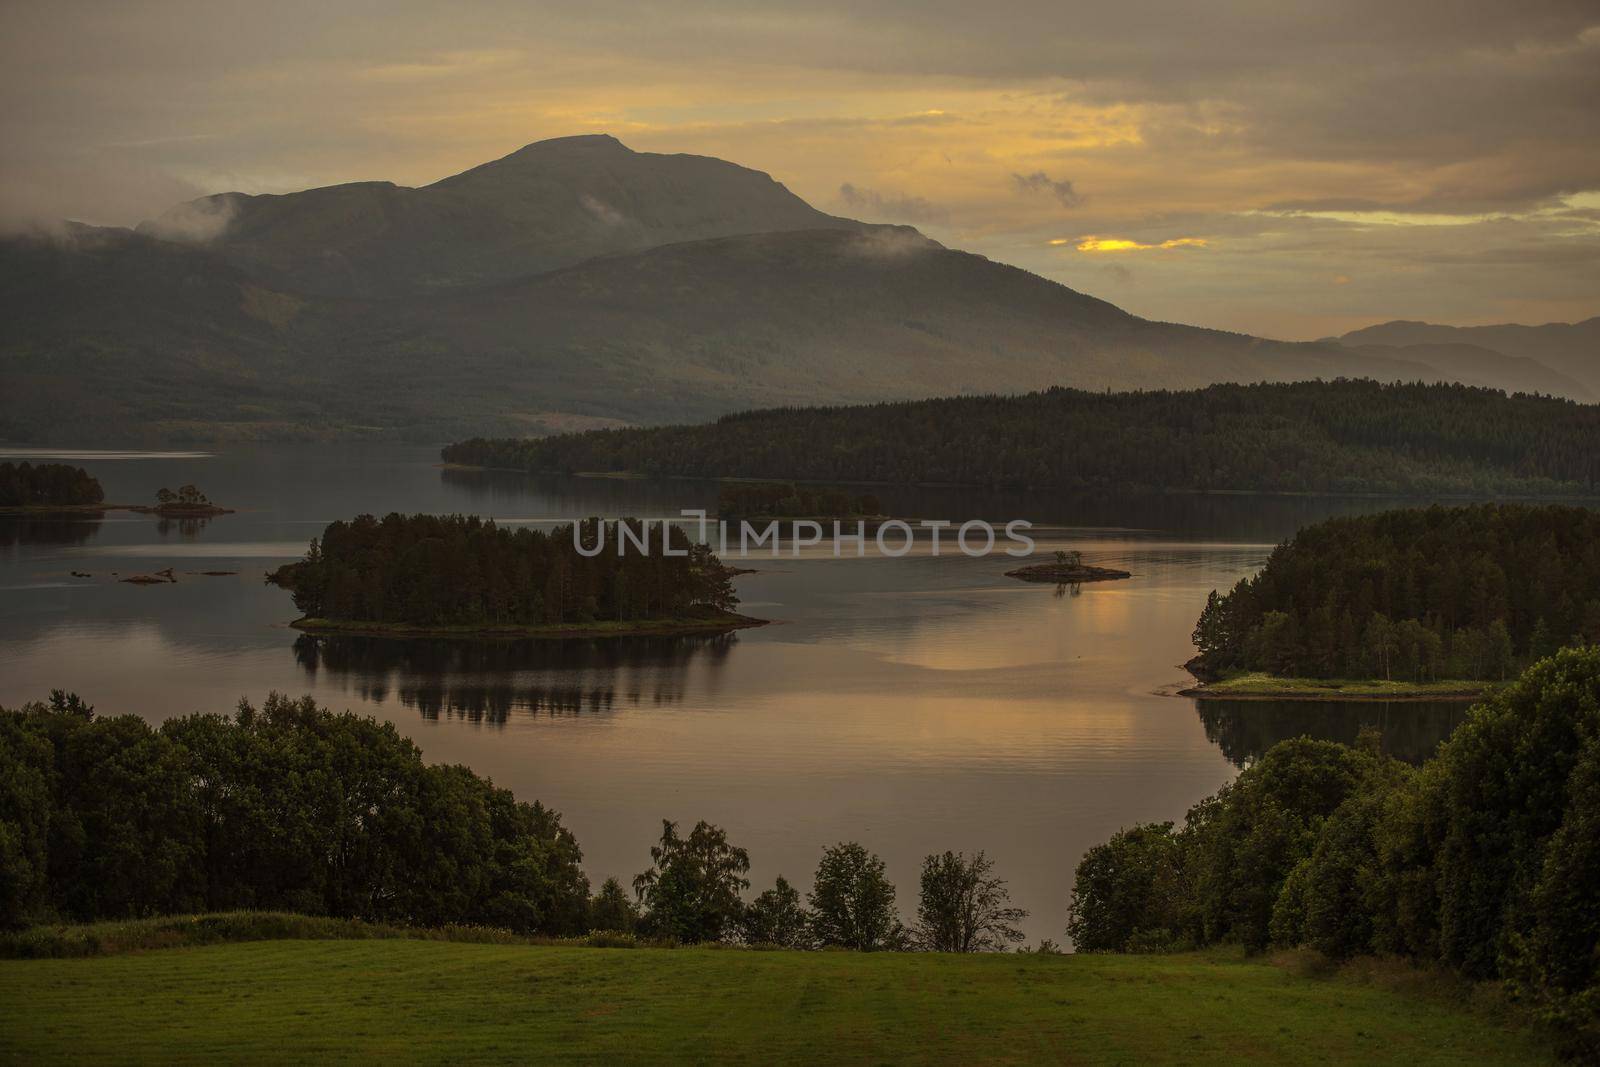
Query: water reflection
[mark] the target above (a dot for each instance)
(187, 528)
(915, 704)
(485, 681)
(45, 530)
(1411, 730)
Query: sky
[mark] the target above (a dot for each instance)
(1282, 168)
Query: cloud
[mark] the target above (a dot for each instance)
(1040, 182)
(195, 221)
(602, 210)
(1093, 243)
(894, 206)
(1304, 140)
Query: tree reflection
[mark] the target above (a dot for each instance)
(1411, 730)
(46, 530)
(486, 681)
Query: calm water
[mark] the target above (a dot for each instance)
(914, 704)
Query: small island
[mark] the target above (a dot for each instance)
(61, 489)
(1440, 603)
(187, 502)
(464, 577)
(1067, 569)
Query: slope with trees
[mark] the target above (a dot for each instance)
(1485, 860)
(1341, 436)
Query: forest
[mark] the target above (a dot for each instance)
(1413, 594)
(291, 807)
(286, 806)
(1485, 860)
(749, 500)
(1332, 437)
(43, 485)
(462, 571)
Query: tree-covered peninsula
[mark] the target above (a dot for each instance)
(1326, 437)
(1414, 595)
(461, 575)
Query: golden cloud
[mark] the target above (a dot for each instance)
(1093, 243)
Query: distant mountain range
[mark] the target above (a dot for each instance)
(1570, 350)
(578, 283)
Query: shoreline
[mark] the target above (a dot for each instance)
(1372, 691)
(727, 622)
(204, 512)
(1396, 494)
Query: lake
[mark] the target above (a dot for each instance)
(915, 704)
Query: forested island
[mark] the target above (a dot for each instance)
(462, 576)
(785, 500)
(1305, 437)
(28, 486)
(1434, 599)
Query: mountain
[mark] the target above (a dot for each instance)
(573, 283)
(549, 205)
(822, 316)
(1476, 365)
(1571, 349)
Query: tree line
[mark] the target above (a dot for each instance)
(1415, 594)
(456, 570)
(291, 807)
(693, 893)
(1336, 436)
(27, 485)
(1486, 859)
(787, 500)
(282, 807)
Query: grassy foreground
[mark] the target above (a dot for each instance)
(436, 1001)
(1258, 685)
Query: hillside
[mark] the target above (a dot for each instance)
(573, 283)
(440, 1002)
(1348, 436)
(823, 316)
(118, 336)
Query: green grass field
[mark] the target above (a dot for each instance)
(440, 1001)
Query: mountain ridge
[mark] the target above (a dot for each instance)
(503, 302)
(547, 205)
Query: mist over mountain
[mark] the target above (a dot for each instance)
(577, 283)
(545, 206)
